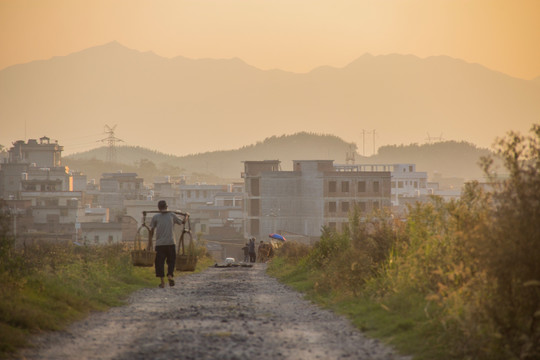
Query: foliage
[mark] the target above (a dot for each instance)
(468, 268)
(47, 285)
(293, 252)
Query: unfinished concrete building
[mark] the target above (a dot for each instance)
(316, 193)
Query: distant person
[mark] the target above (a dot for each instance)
(246, 252)
(165, 246)
(252, 254)
(260, 252)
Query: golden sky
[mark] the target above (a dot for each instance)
(293, 35)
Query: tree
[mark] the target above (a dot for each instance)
(510, 252)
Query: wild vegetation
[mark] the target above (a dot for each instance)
(456, 280)
(46, 286)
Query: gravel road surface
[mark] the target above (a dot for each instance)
(221, 313)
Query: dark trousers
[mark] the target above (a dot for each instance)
(165, 252)
(252, 257)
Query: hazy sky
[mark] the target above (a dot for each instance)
(294, 35)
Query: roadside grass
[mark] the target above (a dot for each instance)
(49, 298)
(398, 322)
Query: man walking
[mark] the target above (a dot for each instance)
(165, 247)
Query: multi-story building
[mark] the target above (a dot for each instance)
(115, 189)
(33, 166)
(316, 193)
(406, 181)
(54, 211)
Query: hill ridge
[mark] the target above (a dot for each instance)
(450, 158)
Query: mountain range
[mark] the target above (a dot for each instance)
(183, 106)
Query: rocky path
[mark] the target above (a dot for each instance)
(222, 313)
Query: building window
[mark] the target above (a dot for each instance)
(203, 228)
(254, 226)
(376, 187)
(345, 186)
(332, 186)
(63, 212)
(410, 168)
(376, 205)
(362, 206)
(110, 240)
(345, 206)
(400, 184)
(96, 239)
(361, 186)
(332, 225)
(332, 206)
(255, 187)
(393, 184)
(254, 207)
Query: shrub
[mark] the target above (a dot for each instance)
(293, 252)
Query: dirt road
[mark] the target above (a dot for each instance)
(222, 313)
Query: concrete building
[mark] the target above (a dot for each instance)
(53, 211)
(115, 189)
(99, 233)
(406, 181)
(316, 193)
(33, 166)
(43, 154)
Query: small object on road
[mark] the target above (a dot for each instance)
(230, 260)
(229, 265)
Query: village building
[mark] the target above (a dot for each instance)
(314, 195)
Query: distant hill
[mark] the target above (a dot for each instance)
(185, 106)
(446, 158)
(450, 159)
(224, 164)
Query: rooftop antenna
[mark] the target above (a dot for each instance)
(111, 141)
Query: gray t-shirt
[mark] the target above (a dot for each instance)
(164, 223)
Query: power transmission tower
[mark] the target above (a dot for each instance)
(111, 141)
(431, 139)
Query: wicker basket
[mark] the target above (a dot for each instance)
(143, 256)
(186, 262)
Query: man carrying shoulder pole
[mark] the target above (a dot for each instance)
(163, 222)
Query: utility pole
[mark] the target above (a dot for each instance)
(374, 131)
(363, 142)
